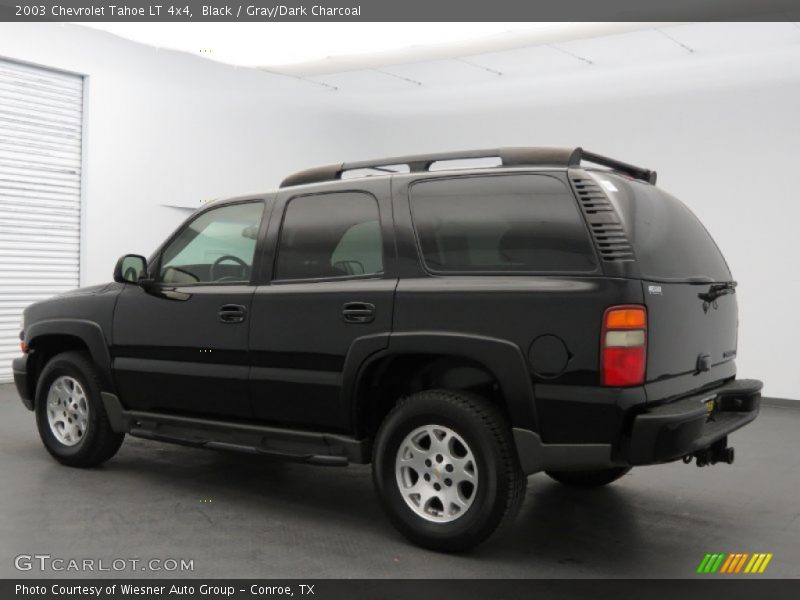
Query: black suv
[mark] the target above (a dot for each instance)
(459, 328)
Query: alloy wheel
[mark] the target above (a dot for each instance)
(436, 473)
(67, 410)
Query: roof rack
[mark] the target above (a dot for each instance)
(557, 157)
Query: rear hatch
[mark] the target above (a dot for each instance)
(687, 288)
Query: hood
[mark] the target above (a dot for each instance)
(89, 290)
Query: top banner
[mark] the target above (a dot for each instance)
(400, 10)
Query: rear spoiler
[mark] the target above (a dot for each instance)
(541, 156)
(617, 165)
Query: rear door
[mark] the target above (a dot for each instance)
(687, 286)
(330, 267)
(687, 334)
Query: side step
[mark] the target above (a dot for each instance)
(301, 446)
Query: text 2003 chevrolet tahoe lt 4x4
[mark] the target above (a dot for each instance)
(457, 328)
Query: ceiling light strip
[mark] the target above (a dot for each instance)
(572, 54)
(672, 39)
(472, 64)
(396, 76)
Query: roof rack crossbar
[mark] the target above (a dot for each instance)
(544, 156)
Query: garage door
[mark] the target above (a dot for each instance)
(40, 188)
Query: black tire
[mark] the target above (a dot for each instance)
(500, 481)
(99, 442)
(589, 479)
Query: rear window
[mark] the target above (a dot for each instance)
(669, 241)
(500, 223)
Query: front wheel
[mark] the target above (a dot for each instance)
(70, 415)
(446, 470)
(588, 479)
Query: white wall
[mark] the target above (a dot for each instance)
(168, 128)
(723, 133)
(722, 130)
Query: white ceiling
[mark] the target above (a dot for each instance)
(387, 58)
(303, 49)
(279, 45)
(543, 62)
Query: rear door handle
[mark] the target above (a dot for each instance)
(358, 312)
(232, 313)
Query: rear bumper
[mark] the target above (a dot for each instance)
(676, 429)
(20, 368)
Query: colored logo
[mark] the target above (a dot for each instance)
(740, 562)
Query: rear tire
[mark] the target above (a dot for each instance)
(589, 479)
(446, 470)
(70, 415)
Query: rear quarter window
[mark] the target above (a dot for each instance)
(500, 223)
(669, 241)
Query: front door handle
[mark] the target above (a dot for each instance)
(358, 312)
(232, 313)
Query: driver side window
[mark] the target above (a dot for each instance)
(216, 247)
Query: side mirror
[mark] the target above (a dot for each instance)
(130, 269)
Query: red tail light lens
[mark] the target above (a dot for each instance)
(623, 346)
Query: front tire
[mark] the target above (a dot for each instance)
(446, 469)
(589, 479)
(70, 415)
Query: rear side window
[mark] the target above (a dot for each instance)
(330, 235)
(501, 223)
(669, 241)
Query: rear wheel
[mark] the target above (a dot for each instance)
(70, 415)
(446, 469)
(593, 478)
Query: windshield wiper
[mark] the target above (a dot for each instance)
(717, 290)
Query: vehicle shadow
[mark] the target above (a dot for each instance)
(566, 524)
(570, 526)
(257, 485)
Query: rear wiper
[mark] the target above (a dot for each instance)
(717, 290)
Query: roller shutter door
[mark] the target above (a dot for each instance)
(41, 115)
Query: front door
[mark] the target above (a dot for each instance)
(181, 345)
(331, 290)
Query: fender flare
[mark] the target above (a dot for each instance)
(89, 332)
(502, 358)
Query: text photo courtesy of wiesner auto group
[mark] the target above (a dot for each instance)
(345, 300)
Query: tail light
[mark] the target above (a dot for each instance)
(623, 345)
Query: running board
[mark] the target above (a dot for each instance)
(295, 445)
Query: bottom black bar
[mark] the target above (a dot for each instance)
(731, 588)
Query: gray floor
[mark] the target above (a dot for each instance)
(278, 520)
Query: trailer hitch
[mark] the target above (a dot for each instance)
(718, 452)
